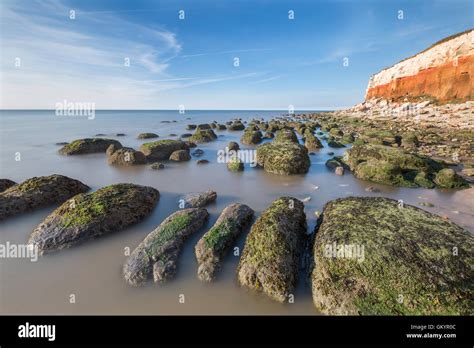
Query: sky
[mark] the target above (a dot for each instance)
(238, 54)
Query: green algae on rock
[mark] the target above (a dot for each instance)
(38, 192)
(283, 158)
(271, 257)
(394, 166)
(235, 164)
(88, 145)
(87, 216)
(311, 142)
(286, 135)
(216, 242)
(251, 137)
(203, 135)
(162, 149)
(375, 256)
(447, 178)
(158, 253)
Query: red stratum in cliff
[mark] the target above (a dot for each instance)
(443, 72)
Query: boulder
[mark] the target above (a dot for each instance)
(236, 126)
(87, 216)
(158, 253)
(191, 127)
(162, 149)
(180, 156)
(233, 146)
(125, 156)
(202, 161)
(447, 178)
(284, 158)
(199, 199)
(147, 136)
(251, 137)
(5, 184)
(235, 164)
(286, 135)
(38, 192)
(394, 166)
(311, 142)
(373, 256)
(339, 170)
(157, 166)
(271, 257)
(203, 136)
(89, 145)
(215, 244)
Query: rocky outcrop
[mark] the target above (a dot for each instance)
(162, 149)
(216, 242)
(158, 253)
(5, 184)
(125, 156)
(443, 72)
(283, 158)
(235, 164)
(38, 192)
(393, 166)
(87, 216)
(88, 145)
(271, 257)
(374, 256)
(199, 199)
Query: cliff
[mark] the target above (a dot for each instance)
(442, 72)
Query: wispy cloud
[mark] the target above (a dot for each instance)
(267, 79)
(224, 52)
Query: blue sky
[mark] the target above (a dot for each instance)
(190, 62)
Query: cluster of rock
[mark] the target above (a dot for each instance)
(38, 192)
(368, 256)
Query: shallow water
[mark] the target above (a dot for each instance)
(92, 271)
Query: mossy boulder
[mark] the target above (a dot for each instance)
(286, 135)
(410, 141)
(373, 256)
(233, 146)
(380, 137)
(311, 142)
(157, 255)
(215, 244)
(125, 156)
(271, 256)
(251, 137)
(236, 126)
(203, 135)
(333, 142)
(147, 136)
(336, 132)
(235, 164)
(5, 184)
(38, 192)
(86, 216)
(393, 166)
(447, 178)
(180, 156)
(162, 149)
(283, 158)
(88, 145)
(199, 199)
